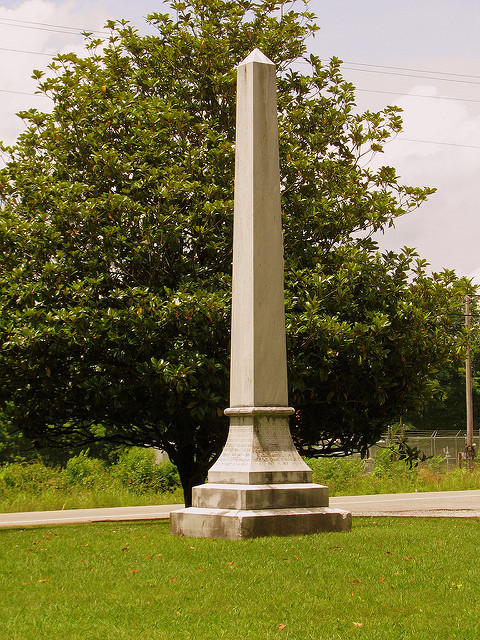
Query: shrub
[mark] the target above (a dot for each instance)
(349, 476)
(33, 477)
(137, 468)
(81, 470)
(388, 464)
(434, 463)
(337, 473)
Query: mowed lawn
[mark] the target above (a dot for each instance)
(389, 578)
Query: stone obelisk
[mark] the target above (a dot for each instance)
(259, 485)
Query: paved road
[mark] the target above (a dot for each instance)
(441, 504)
(70, 516)
(450, 504)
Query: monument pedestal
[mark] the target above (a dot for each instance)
(235, 524)
(259, 486)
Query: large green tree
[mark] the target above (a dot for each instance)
(116, 234)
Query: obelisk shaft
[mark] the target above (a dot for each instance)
(258, 351)
(259, 448)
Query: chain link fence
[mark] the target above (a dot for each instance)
(449, 444)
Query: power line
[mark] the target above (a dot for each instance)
(409, 75)
(392, 93)
(21, 93)
(449, 144)
(412, 95)
(35, 53)
(45, 26)
(379, 69)
(383, 66)
(372, 68)
(70, 33)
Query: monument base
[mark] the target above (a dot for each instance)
(235, 511)
(236, 524)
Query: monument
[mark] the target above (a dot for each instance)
(259, 486)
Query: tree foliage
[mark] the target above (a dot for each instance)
(116, 235)
(445, 407)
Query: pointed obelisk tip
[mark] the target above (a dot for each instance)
(256, 56)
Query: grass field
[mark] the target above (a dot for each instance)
(52, 499)
(389, 579)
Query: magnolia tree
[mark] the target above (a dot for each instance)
(116, 238)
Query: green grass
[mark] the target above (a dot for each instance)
(389, 579)
(53, 499)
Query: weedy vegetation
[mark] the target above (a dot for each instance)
(136, 479)
(86, 482)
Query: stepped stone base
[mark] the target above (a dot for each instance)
(236, 524)
(259, 496)
(236, 511)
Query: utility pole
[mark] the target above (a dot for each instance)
(469, 451)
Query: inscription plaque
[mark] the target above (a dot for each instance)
(259, 444)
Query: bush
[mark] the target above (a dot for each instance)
(88, 483)
(434, 463)
(81, 470)
(337, 473)
(349, 476)
(137, 468)
(388, 464)
(33, 477)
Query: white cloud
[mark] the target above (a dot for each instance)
(444, 229)
(17, 35)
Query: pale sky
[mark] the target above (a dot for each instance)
(423, 56)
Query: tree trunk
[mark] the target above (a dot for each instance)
(190, 471)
